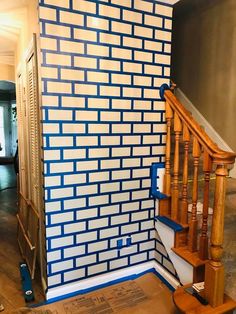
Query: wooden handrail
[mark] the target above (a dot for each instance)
(214, 151)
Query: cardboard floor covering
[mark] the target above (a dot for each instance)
(144, 295)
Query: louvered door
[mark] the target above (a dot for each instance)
(22, 136)
(34, 147)
(34, 195)
(30, 214)
(22, 178)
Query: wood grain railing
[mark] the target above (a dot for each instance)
(208, 161)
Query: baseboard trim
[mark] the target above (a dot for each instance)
(173, 282)
(213, 134)
(107, 279)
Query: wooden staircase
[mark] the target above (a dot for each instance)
(197, 241)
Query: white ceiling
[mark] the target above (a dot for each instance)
(12, 17)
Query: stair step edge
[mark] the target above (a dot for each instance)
(170, 223)
(192, 258)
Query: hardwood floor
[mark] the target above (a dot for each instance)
(11, 295)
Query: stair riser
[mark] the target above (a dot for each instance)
(183, 268)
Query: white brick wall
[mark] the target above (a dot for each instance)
(119, 263)
(103, 126)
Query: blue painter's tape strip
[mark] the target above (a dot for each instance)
(158, 195)
(108, 284)
(163, 88)
(170, 223)
(119, 243)
(128, 241)
(154, 175)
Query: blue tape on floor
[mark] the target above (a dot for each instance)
(110, 283)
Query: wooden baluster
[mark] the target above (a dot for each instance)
(192, 243)
(175, 188)
(203, 244)
(184, 207)
(214, 273)
(167, 176)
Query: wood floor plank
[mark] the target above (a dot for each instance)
(11, 294)
(8, 308)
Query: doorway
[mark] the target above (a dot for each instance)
(11, 296)
(8, 147)
(18, 22)
(8, 121)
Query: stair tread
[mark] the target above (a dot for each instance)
(186, 303)
(190, 257)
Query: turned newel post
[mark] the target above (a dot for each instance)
(214, 273)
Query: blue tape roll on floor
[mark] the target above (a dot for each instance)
(26, 283)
